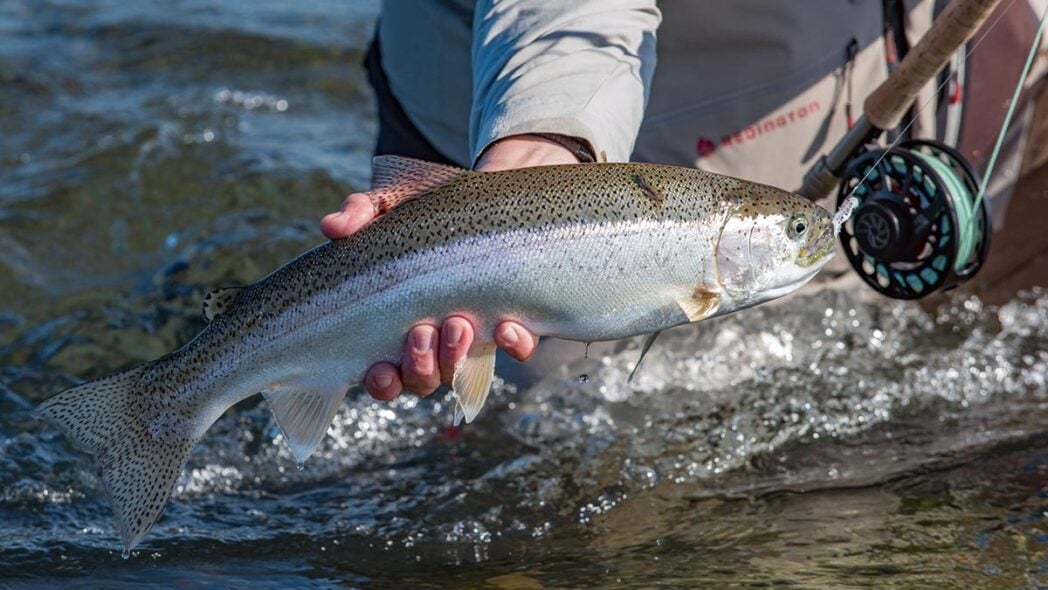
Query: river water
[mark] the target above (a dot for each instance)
(148, 154)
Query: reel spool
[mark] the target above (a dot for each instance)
(915, 230)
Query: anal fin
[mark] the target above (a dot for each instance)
(472, 381)
(303, 417)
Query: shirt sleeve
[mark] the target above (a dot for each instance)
(580, 68)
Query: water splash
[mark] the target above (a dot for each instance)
(714, 412)
(602, 480)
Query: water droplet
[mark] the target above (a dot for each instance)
(584, 378)
(301, 466)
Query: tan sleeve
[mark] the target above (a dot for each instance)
(580, 68)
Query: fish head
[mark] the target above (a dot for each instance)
(771, 244)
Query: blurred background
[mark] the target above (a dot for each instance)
(152, 151)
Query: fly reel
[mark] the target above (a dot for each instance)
(916, 229)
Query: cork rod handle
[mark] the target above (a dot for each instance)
(960, 20)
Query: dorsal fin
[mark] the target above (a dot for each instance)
(219, 301)
(395, 179)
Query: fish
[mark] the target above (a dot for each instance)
(585, 252)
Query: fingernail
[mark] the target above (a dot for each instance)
(510, 335)
(453, 334)
(422, 341)
(382, 380)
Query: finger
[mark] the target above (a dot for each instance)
(357, 210)
(382, 382)
(419, 369)
(456, 336)
(516, 340)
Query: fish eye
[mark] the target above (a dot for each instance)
(797, 227)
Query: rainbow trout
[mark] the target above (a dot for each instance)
(584, 252)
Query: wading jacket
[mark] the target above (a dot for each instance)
(751, 88)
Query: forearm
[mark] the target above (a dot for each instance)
(579, 69)
(523, 151)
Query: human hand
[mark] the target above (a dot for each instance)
(431, 352)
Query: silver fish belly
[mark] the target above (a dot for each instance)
(578, 283)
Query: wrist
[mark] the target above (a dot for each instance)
(523, 151)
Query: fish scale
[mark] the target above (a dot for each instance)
(584, 252)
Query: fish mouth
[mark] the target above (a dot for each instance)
(819, 251)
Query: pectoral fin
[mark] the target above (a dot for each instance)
(303, 417)
(472, 381)
(702, 304)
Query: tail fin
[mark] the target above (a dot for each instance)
(139, 466)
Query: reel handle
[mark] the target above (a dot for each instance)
(887, 105)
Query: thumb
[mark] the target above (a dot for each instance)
(356, 212)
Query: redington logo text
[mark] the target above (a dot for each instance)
(706, 146)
